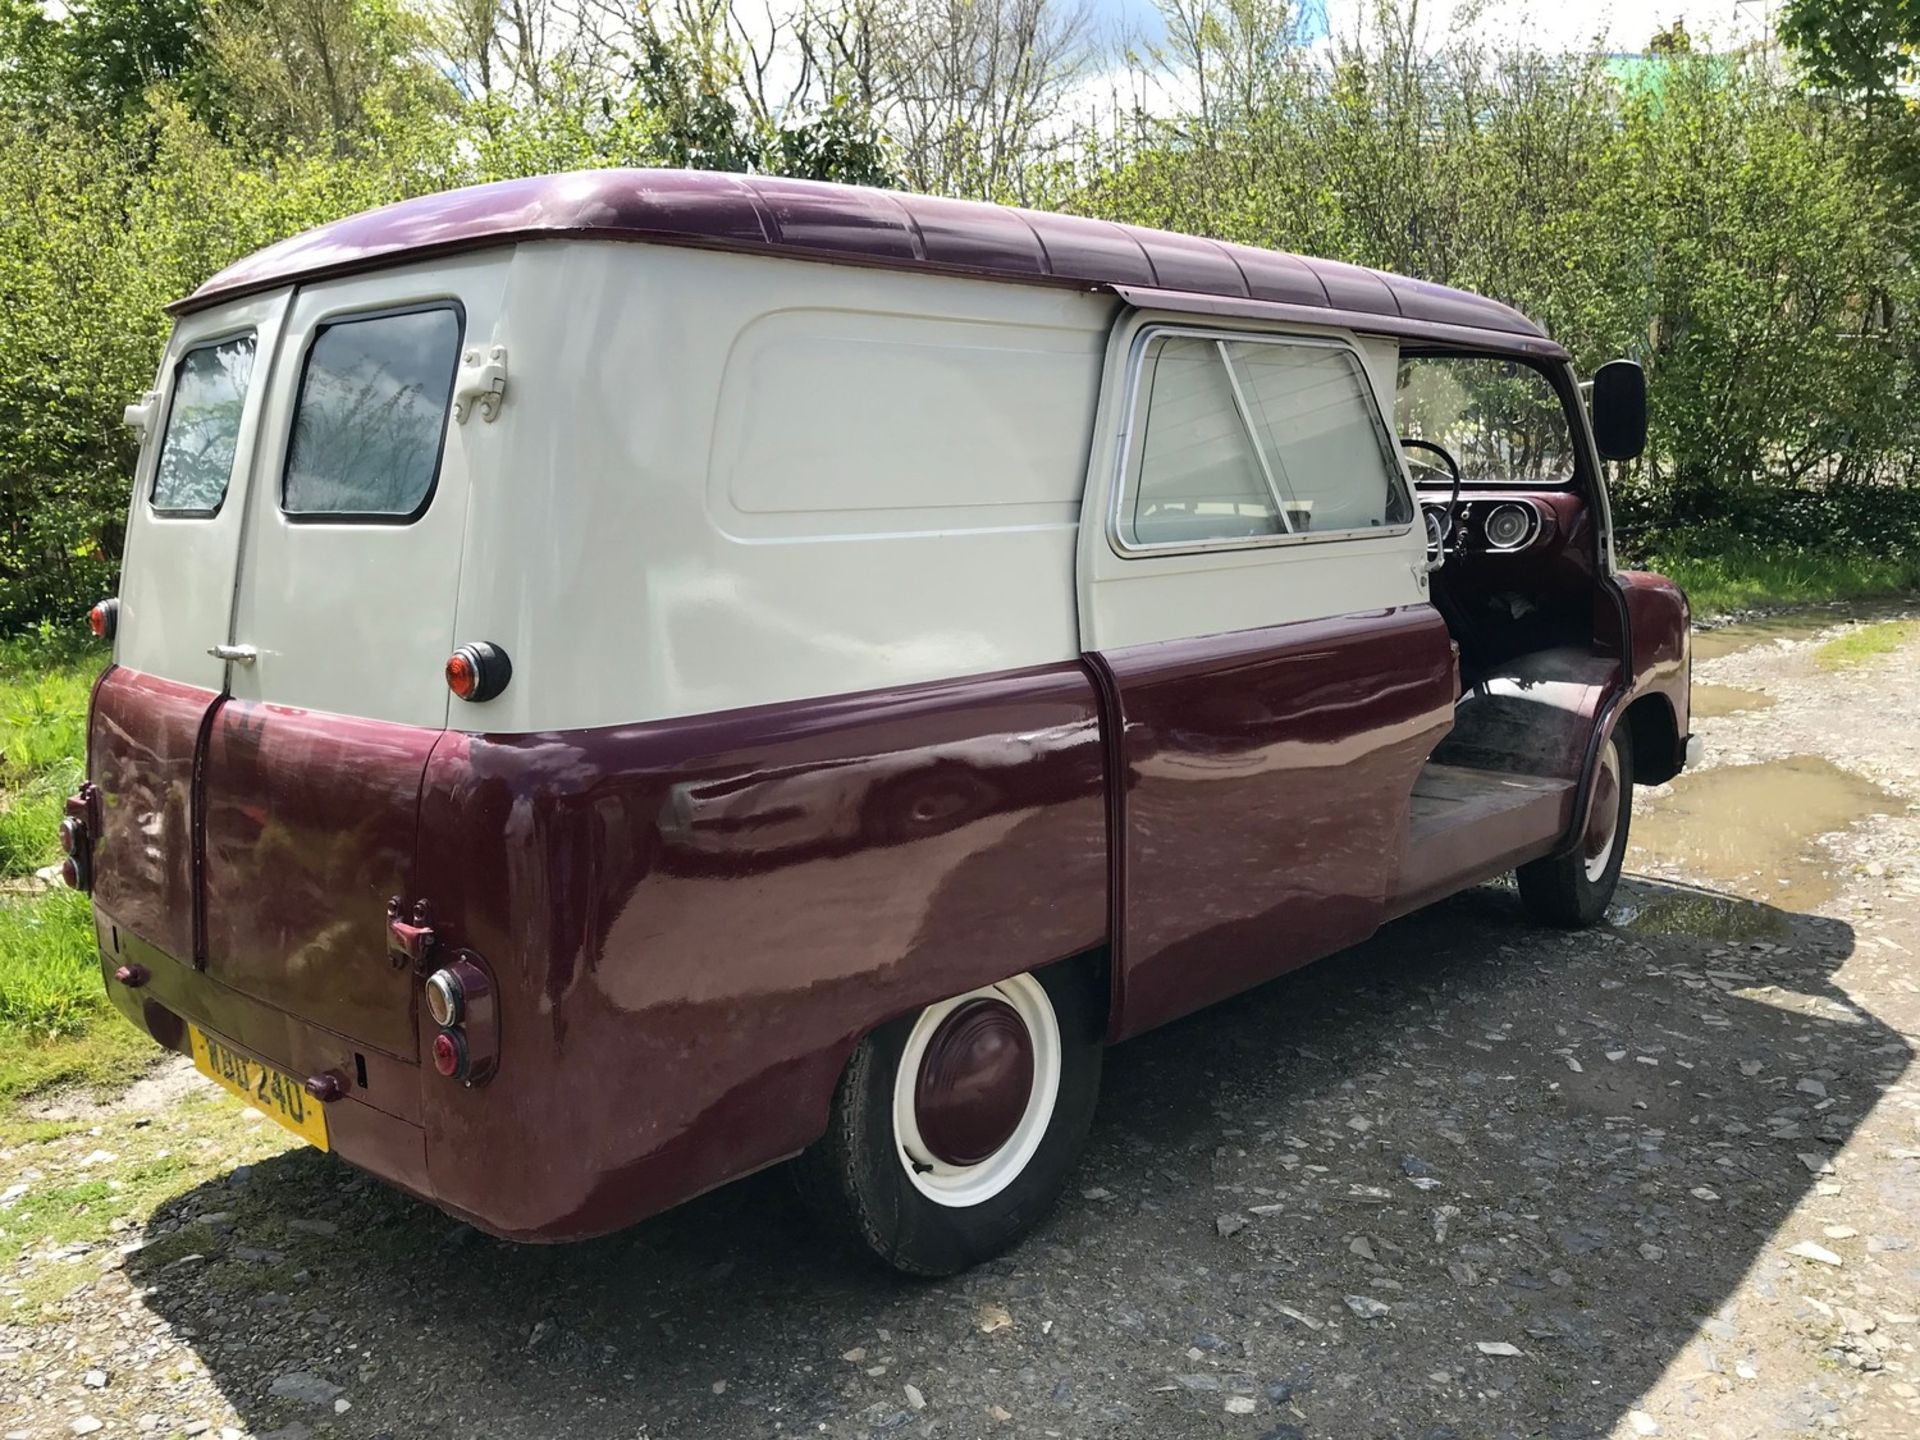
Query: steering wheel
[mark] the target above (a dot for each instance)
(1437, 541)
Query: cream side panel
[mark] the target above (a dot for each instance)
(1173, 598)
(734, 480)
(871, 423)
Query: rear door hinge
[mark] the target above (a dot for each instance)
(410, 937)
(139, 416)
(482, 377)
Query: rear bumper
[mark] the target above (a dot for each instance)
(375, 1125)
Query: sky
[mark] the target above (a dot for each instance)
(1624, 25)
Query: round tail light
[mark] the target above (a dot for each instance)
(104, 618)
(71, 837)
(450, 1054)
(446, 998)
(478, 671)
(72, 874)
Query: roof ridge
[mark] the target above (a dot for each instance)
(844, 224)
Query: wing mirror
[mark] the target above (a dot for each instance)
(1619, 410)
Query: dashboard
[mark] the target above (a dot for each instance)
(1489, 525)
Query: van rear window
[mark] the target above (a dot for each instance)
(372, 415)
(203, 427)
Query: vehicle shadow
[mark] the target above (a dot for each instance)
(1572, 1146)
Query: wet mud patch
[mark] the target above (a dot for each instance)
(1756, 827)
(1703, 914)
(1727, 640)
(1711, 702)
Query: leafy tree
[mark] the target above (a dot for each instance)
(100, 56)
(1858, 46)
(321, 72)
(1673, 40)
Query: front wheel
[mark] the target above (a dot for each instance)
(954, 1129)
(1573, 890)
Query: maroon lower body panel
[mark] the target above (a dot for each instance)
(141, 742)
(691, 922)
(1264, 801)
(310, 823)
(172, 993)
(1660, 624)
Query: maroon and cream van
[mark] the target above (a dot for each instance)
(623, 679)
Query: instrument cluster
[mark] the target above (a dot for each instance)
(1485, 526)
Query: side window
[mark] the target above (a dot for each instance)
(1502, 419)
(372, 415)
(203, 428)
(1237, 439)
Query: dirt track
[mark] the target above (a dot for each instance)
(1472, 1179)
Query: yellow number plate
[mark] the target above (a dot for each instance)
(281, 1097)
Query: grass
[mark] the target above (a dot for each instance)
(1864, 642)
(1737, 576)
(72, 1193)
(101, 1057)
(43, 738)
(49, 964)
(55, 1025)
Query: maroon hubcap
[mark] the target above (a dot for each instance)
(974, 1081)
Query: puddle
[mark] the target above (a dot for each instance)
(1697, 912)
(1752, 827)
(1710, 701)
(1733, 639)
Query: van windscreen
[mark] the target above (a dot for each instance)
(203, 427)
(372, 415)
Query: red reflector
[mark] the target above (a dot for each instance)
(478, 671)
(463, 676)
(449, 1055)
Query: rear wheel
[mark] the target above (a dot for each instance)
(1573, 890)
(954, 1129)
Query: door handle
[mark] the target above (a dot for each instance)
(238, 654)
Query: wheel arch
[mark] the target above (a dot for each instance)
(1655, 731)
(1092, 969)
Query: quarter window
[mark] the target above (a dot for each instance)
(372, 416)
(203, 427)
(1238, 439)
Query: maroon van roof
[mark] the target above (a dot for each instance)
(850, 225)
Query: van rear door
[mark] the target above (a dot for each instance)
(176, 597)
(342, 623)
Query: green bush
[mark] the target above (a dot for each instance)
(1722, 573)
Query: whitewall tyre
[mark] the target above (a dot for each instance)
(954, 1129)
(1573, 890)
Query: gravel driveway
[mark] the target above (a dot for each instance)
(1473, 1179)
